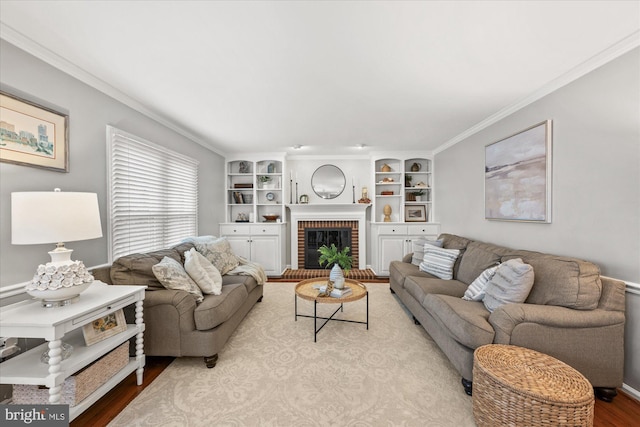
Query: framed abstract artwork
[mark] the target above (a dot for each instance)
(517, 176)
(33, 135)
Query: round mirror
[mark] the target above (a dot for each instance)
(328, 181)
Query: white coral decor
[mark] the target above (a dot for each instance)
(51, 277)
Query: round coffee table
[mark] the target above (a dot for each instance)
(305, 290)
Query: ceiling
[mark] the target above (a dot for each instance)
(265, 76)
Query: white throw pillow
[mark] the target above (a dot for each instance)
(439, 262)
(418, 249)
(511, 283)
(219, 253)
(172, 276)
(205, 274)
(475, 291)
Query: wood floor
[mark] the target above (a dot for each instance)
(620, 413)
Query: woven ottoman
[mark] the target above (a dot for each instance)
(515, 386)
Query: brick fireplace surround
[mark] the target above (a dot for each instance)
(303, 225)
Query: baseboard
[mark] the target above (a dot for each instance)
(631, 391)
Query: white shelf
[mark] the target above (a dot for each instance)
(258, 166)
(29, 319)
(28, 369)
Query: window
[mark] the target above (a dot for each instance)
(153, 195)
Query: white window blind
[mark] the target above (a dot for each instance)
(153, 200)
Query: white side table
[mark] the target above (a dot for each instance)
(28, 319)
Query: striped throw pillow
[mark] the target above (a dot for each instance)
(418, 249)
(439, 262)
(475, 291)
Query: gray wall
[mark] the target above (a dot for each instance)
(596, 181)
(89, 112)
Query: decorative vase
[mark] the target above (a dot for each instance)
(387, 213)
(337, 276)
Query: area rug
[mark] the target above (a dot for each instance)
(271, 373)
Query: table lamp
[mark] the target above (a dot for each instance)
(39, 217)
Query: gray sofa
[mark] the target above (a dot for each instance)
(571, 313)
(175, 325)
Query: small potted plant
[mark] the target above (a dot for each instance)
(340, 259)
(265, 181)
(418, 195)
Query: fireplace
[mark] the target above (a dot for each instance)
(314, 238)
(332, 216)
(314, 234)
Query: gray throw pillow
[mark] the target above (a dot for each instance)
(219, 253)
(172, 275)
(511, 283)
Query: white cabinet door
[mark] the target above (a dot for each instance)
(260, 243)
(240, 245)
(390, 248)
(265, 250)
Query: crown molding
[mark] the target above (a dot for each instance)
(623, 46)
(28, 45)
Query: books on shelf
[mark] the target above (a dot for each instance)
(335, 293)
(242, 198)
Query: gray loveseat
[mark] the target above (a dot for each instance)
(571, 313)
(175, 325)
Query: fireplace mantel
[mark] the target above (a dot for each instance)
(328, 212)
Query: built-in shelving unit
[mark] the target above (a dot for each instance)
(255, 210)
(404, 185)
(255, 190)
(403, 189)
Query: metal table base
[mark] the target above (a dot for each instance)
(315, 316)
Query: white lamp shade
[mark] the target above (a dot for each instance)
(54, 217)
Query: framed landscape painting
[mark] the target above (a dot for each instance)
(517, 176)
(32, 135)
(415, 213)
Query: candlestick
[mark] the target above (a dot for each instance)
(291, 191)
(353, 190)
(297, 193)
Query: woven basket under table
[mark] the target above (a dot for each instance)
(516, 386)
